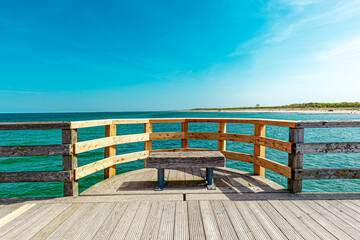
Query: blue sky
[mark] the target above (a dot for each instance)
(59, 56)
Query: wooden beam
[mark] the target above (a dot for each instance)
(328, 124)
(221, 136)
(295, 160)
(280, 123)
(326, 173)
(69, 162)
(259, 150)
(45, 176)
(130, 121)
(148, 128)
(184, 129)
(274, 144)
(107, 162)
(110, 131)
(166, 135)
(273, 166)
(91, 123)
(166, 120)
(109, 141)
(221, 143)
(33, 125)
(345, 147)
(243, 157)
(38, 150)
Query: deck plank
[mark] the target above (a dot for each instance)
(166, 230)
(70, 222)
(111, 221)
(254, 225)
(196, 227)
(238, 222)
(139, 221)
(351, 205)
(295, 223)
(181, 227)
(208, 218)
(56, 222)
(226, 228)
(271, 226)
(333, 228)
(152, 224)
(125, 222)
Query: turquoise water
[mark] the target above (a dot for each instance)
(52, 163)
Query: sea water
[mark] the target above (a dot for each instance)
(54, 163)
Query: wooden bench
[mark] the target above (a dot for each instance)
(191, 159)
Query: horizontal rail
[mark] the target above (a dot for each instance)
(328, 124)
(221, 136)
(166, 135)
(326, 173)
(263, 162)
(279, 123)
(36, 150)
(34, 125)
(311, 148)
(85, 170)
(108, 141)
(46, 176)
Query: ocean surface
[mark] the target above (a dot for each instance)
(54, 163)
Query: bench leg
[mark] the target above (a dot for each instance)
(161, 180)
(210, 179)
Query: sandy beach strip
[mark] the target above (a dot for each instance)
(278, 110)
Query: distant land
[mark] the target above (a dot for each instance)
(343, 107)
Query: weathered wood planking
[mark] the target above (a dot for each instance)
(221, 143)
(102, 164)
(185, 159)
(110, 131)
(295, 160)
(280, 123)
(327, 173)
(184, 129)
(109, 141)
(91, 123)
(343, 147)
(328, 124)
(259, 150)
(148, 128)
(70, 162)
(221, 136)
(35, 150)
(273, 166)
(45, 176)
(166, 135)
(34, 125)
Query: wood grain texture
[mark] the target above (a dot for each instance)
(328, 124)
(35, 176)
(184, 129)
(295, 160)
(221, 145)
(280, 123)
(110, 131)
(70, 162)
(341, 147)
(148, 128)
(259, 150)
(33, 125)
(326, 173)
(38, 150)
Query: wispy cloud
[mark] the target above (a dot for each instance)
(344, 50)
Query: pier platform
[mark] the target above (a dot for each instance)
(244, 206)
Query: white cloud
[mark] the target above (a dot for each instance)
(344, 50)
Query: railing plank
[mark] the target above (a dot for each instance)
(312, 148)
(243, 157)
(45, 176)
(280, 123)
(148, 128)
(274, 144)
(221, 136)
(35, 150)
(327, 173)
(110, 131)
(34, 125)
(273, 166)
(295, 160)
(259, 150)
(184, 130)
(109, 141)
(107, 162)
(91, 123)
(328, 124)
(166, 135)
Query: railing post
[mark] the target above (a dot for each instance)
(148, 128)
(259, 151)
(69, 162)
(221, 143)
(184, 129)
(296, 135)
(110, 131)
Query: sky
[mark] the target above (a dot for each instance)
(80, 56)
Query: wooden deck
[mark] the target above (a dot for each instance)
(126, 207)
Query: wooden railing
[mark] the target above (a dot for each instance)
(69, 148)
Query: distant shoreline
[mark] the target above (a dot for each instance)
(279, 110)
